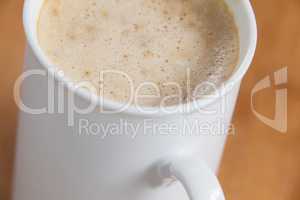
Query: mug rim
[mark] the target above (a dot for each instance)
(182, 108)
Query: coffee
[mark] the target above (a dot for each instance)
(164, 49)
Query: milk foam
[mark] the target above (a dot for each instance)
(166, 47)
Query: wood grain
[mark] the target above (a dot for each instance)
(12, 43)
(259, 162)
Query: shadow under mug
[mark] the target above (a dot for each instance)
(136, 161)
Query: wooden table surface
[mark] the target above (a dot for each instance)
(259, 162)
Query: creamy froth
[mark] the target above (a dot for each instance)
(165, 47)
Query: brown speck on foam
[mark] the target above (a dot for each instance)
(137, 27)
(90, 28)
(71, 36)
(191, 24)
(55, 12)
(56, 8)
(210, 33)
(103, 12)
(148, 54)
(87, 73)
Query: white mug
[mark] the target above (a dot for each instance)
(57, 161)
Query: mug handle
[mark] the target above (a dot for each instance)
(196, 177)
